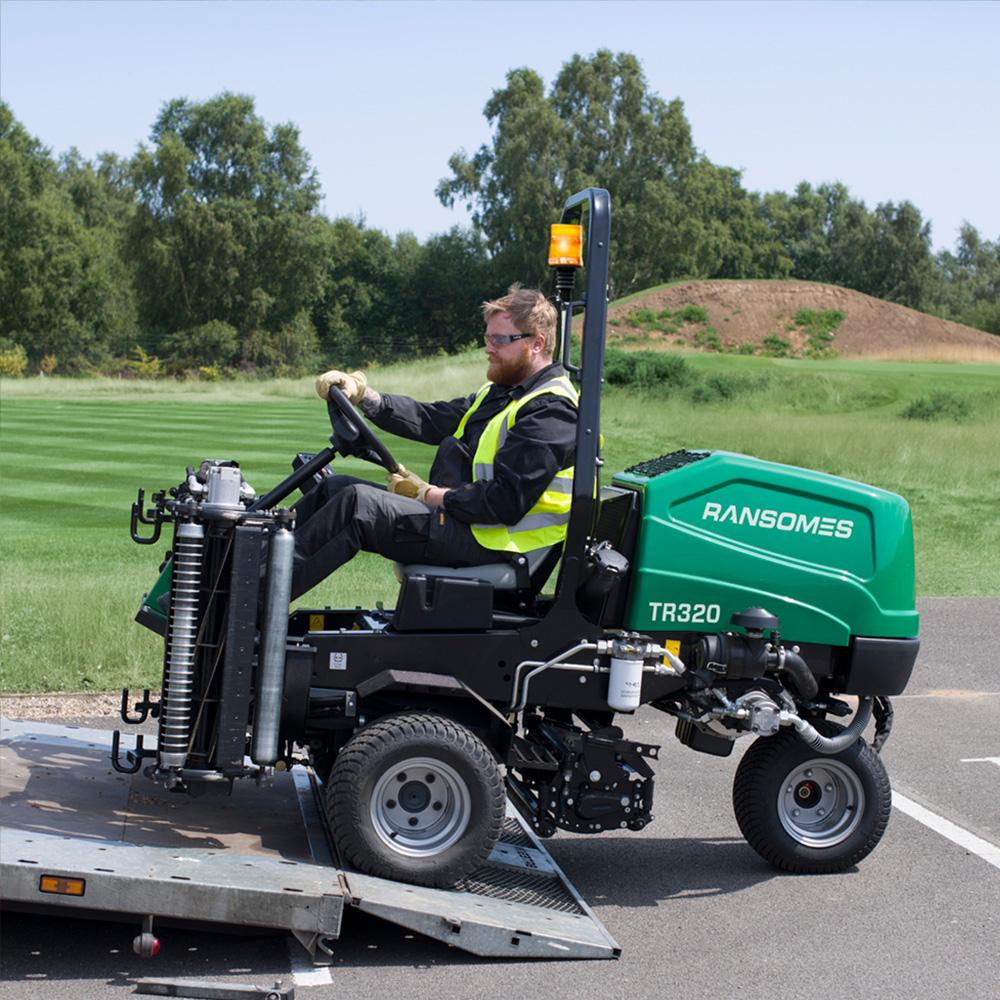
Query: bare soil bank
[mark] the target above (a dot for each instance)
(745, 312)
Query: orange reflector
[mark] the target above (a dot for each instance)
(565, 245)
(62, 886)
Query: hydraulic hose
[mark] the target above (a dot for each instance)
(802, 677)
(834, 744)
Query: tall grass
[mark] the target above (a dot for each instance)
(73, 453)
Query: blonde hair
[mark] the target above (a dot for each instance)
(530, 311)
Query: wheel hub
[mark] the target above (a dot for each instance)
(820, 803)
(808, 794)
(414, 796)
(420, 807)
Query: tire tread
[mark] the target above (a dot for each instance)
(752, 798)
(353, 762)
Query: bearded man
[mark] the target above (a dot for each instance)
(501, 481)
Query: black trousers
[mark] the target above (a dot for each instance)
(343, 515)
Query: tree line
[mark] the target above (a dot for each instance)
(206, 252)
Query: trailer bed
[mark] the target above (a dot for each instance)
(258, 858)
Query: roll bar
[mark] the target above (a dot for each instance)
(590, 375)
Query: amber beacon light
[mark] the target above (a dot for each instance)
(566, 245)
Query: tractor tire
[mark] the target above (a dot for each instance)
(417, 798)
(807, 812)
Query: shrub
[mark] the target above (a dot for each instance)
(720, 388)
(13, 359)
(211, 343)
(648, 319)
(774, 346)
(939, 406)
(692, 314)
(819, 327)
(48, 364)
(646, 369)
(746, 349)
(642, 317)
(289, 352)
(144, 365)
(210, 373)
(826, 320)
(708, 339)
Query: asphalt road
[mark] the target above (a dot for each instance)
(696, 912)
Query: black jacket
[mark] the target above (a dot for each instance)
(540, 443)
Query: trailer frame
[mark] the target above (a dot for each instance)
(67, 817)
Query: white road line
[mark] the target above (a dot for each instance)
(304, 973)
(990, 853)
(980, 760)
(958, 694)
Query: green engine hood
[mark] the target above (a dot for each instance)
(721, 532)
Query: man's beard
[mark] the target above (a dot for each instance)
(509, 371)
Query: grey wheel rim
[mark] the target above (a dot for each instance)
(820, 803)
(420, 807)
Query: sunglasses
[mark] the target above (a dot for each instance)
(503, 339)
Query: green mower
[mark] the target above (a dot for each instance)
(739, 597)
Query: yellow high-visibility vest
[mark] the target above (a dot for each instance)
(545, 523)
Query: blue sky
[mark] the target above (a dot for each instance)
(896, 100)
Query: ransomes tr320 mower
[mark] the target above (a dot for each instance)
(739, 597)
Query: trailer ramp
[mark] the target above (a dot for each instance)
(258, 858)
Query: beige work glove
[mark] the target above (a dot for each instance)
(352, 385)
(408, 484)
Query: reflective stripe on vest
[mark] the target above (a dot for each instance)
(545, 523)
(476, 403)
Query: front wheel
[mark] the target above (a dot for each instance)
(811, 813)
(417, 798)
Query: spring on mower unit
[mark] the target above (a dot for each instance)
(175, 714)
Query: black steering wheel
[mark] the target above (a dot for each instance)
(353, 436)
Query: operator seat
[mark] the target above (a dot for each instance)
(467, 597)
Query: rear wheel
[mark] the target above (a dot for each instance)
(807, 812)
(416, 797)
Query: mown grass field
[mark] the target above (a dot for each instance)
(73, 453)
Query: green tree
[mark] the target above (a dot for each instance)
(227, 227)
(39, 260)
(357, 276)
(828, 236)
(448, 285)
(385, 299)
(62, 279)
(103, 200)
(898, 261)
(675, 213)
(967, 285)
(512, 186)
(799, 223)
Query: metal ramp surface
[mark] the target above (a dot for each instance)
(258, 858)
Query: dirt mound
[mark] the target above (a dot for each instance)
(762, 316)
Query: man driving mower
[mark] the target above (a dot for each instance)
(501, 481)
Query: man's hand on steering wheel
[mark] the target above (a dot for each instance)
(351, 434)
(352, 385)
